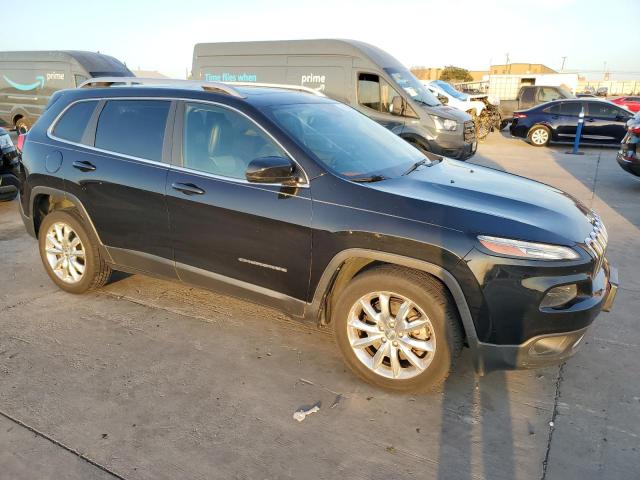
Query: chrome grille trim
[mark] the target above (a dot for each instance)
(597, 241)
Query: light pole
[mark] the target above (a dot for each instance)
(562, 67)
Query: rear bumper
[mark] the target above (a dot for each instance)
(543, 350)
(629, 164)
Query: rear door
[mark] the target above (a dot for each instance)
(118, 169)
(229, 234)
(605, 122)
(565, 116)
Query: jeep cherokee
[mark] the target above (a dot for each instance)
(293, 200)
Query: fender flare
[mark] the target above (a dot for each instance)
(326, 281)
(42, 190)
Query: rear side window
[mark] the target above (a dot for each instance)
(133, 127)
(571, 108)
(73, 122)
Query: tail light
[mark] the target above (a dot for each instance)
(21, 139)
(519, 115)
(635, 130)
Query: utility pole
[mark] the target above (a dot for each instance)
(507, 63)
(562, 67)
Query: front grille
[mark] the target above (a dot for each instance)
(597, 241)
(469, 131)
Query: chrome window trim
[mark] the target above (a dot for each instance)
(51, 136)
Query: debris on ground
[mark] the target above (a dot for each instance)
(336, 401)
(301, 414)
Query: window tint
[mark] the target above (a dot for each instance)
(223, 142)
(604, 110)
(553, 109)
(527, 95)
(73, 123)
(571, 108)
(133, 127)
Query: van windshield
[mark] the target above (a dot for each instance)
(347, 142)
(410, 84)
(451, 90)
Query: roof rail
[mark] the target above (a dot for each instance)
(279, 85)
(99, 82)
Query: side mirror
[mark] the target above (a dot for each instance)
(443, 100)
(270, 170)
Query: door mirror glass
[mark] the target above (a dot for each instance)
(443, 99)
(270, 170)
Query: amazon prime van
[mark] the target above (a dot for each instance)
(28, 79)
(353, 72)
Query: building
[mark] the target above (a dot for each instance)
(520, 69)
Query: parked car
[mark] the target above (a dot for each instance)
(585, 95)
(530, 96)
(28, 79)
(628, 154)
(588, 90)
(9, 160)
(355, 73)
(604, 122)
(300, 202)
(631, 103)
(602, 91)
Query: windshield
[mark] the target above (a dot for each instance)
(410, 84)
(345, 141)
(451, 91)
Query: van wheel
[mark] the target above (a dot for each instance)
(70, 254)
(398, 329)
(22, 126)
(419, 146)
(539, 136)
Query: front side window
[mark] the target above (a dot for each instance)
(527, 95)
(345, 141)
(133, 127)
(79, 79)
(376, 93)
(222, 142)
(73, 122)
(603, 110)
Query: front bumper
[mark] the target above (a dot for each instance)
(546, 349)
(465, 152)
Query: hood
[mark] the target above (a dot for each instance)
(479, 200)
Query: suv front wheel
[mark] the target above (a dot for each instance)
(398, 329)
(70, 254)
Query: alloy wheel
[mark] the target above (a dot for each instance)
(540, 136)
(65, 253)
(391, 335)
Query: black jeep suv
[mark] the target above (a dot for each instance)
(296, 201)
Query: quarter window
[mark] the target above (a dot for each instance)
(222, 142)
(79, 79)
(133, 127)
(73, 122)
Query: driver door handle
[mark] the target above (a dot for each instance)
(84, 166)
(187, 188)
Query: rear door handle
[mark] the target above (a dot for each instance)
(187, 188)
(84, 166)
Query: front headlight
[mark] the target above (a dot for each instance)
(531, 250)
(444, 124)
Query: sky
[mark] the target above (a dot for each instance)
(160, 34)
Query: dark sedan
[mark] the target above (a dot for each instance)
(604, 122)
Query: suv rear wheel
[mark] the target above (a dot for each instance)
(70, 254)
(398, 329)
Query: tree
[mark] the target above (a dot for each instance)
(455, 74)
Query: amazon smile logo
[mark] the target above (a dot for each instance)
(26, 87)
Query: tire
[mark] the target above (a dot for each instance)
(23, 125)
(419, 146)
(539, 136)
(7, 197)
(432, 305)
(503, 124)
(95, 272)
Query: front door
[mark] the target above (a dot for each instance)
(118, 170)
(605, 122)
(229, 234)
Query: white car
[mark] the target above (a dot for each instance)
(455, 98)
